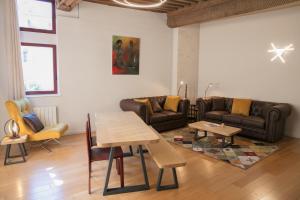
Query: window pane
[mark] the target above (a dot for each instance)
(38, 68)
(35, 14)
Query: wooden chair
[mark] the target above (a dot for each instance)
(99, 154)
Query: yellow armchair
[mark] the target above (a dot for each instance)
(18, 108)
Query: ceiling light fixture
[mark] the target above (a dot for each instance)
(138, 5)
(279, 53)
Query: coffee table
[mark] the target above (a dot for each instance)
(217, 129)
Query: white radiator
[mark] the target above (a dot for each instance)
(47, 115)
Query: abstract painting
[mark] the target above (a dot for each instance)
(125, 55)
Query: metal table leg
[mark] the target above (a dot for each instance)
(125, 189)
(22, 154)
(224, 144)
(130, 153)
(196, 137)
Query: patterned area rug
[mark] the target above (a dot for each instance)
(243, 154)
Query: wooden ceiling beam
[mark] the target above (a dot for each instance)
(216, 9)
(66, 5)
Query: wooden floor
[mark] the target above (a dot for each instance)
(62, 174)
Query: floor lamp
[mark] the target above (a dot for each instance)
(210, 85)
(185, 92)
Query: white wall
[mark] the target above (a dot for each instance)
(233, 53)
(85, 54)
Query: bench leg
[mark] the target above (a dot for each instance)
(160, 187)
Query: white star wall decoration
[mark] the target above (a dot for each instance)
(280, 52)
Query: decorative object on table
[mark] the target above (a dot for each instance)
(160, 120)
(12, 129)
(18, 108)
(178, 138)
(266, 120)
(193, 113)
(20, 141)
(244, 154)
(179, 88)
(125, 55)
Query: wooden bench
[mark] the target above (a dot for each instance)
(165, 156)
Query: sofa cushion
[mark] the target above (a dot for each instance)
(33, 122)
(254, 122)
(218, 104)
(161, 100)
(228, 104)
(215, 115)
(241, 106)
(155, 105)
(233, 118)
(171, 103)
(165, 116)
(147, 103)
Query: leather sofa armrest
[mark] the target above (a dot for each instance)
(183, 106)
(275, 121)
(203, 105)
(279, 111)
(139, 108)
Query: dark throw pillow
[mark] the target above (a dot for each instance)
(155, 105)
(218, 104)
(33, 122)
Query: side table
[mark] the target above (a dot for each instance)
(193, 111)
(21, 143)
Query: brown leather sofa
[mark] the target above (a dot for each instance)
(161, 121)
(265, 122)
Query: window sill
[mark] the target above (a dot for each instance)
(42, 95)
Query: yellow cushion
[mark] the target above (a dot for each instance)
(147, 103)
(241, 106)
(172, 103)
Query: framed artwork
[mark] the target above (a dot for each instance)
(125, 55)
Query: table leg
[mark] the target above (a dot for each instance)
(23, 145)
(223, 142)
(130, 153)
(7, 153)
(198, 138)
(144, 167)
(224, 145)
(22, 152)
(125, 189)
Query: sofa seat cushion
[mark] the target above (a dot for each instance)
(215, 115)
(233, 118)
(253, 121)
(165, 116)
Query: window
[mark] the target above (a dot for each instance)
(37, 15)
(39, 68)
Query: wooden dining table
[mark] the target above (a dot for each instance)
(123, 129)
